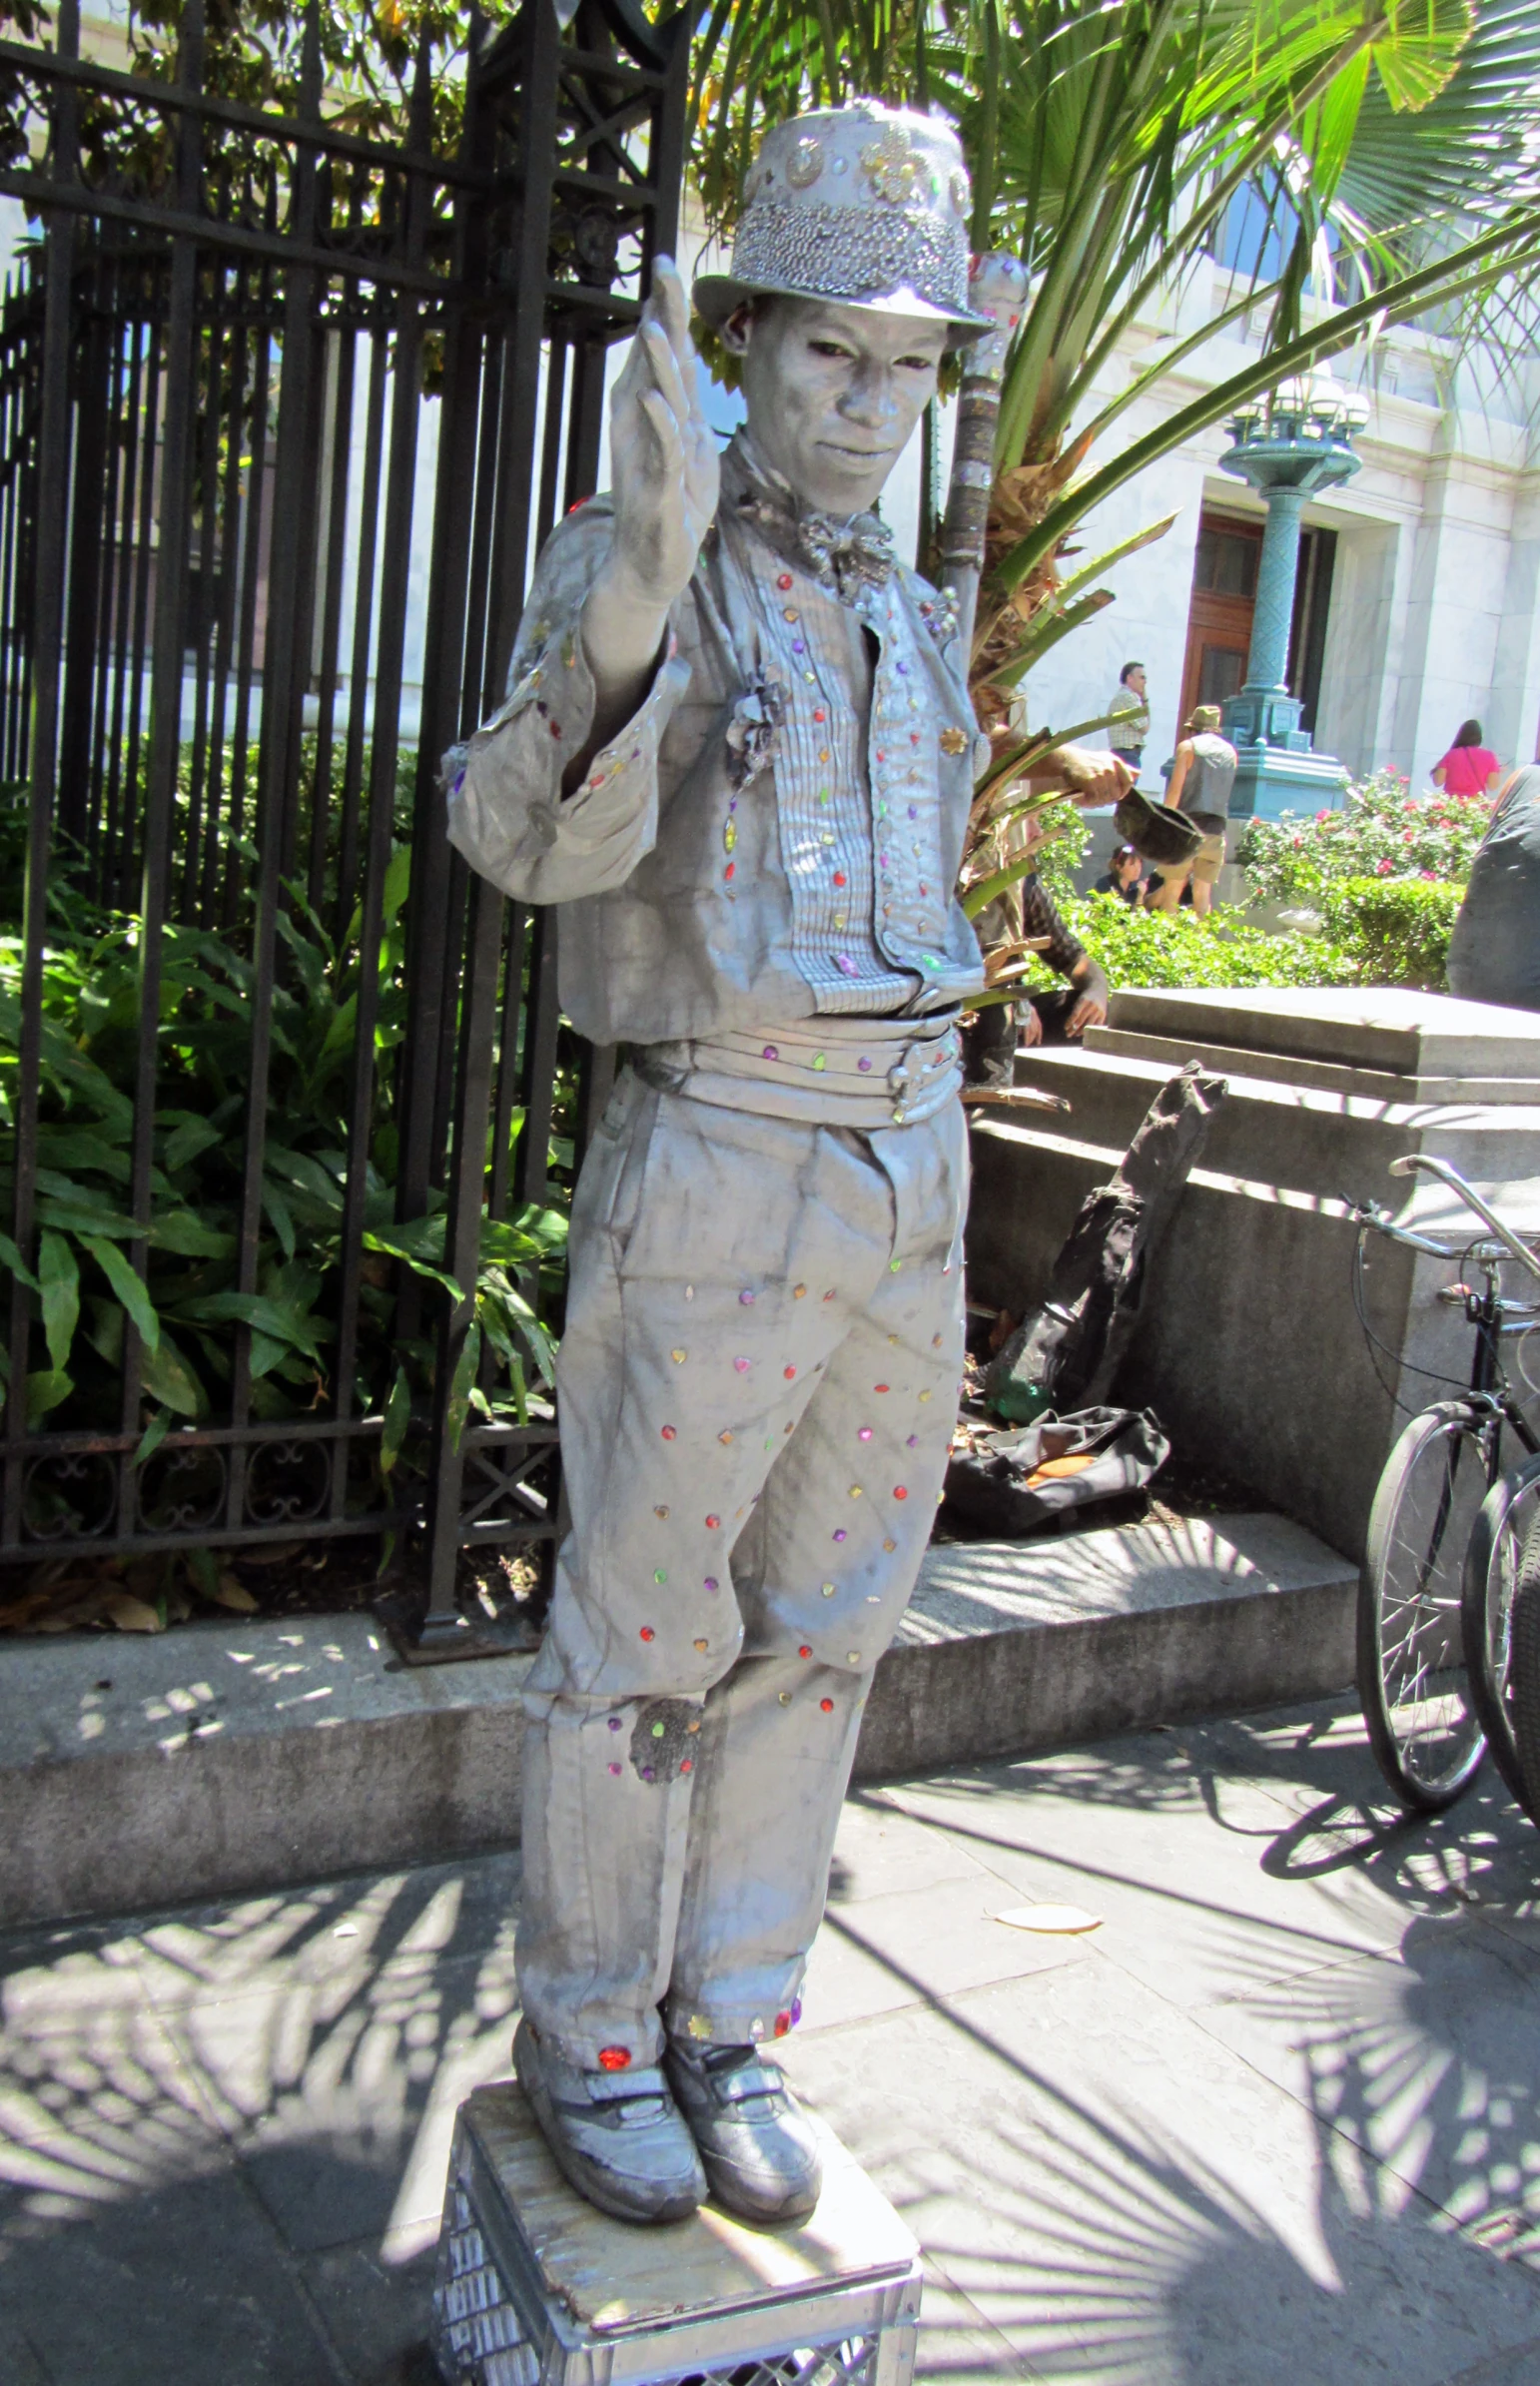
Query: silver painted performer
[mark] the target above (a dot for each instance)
(738, 747)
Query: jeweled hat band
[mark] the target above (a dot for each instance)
(864, 205)
(849, 253)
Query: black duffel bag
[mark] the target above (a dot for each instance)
(1027, 1478)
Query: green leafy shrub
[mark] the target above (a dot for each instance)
(1382, 832)
(1149, 948)
(188, 1302)
(1397, 929)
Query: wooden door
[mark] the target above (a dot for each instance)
(1223, 599)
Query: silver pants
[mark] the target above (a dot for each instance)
(757, 1389)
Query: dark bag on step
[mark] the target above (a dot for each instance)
(1025, 1479)
(1064, 1356)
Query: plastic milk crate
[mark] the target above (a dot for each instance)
(536, 2288)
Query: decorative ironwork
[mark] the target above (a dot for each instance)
(216, 373)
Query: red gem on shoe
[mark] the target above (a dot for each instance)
(647, 1632)
(827, 1704)
(614, 2058)
(804, 1651)
(782, 2024)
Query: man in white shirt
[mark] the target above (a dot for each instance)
(1130, 707)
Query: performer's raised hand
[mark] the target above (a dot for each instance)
(662, 449)
(664, 461)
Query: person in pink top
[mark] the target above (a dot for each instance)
(1469, 767)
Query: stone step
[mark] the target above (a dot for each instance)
(1289, 1135)
(228, 1757)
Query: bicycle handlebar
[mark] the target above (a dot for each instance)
(1409, 1165)
(1371, 1216)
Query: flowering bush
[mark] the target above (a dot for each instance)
(1383, 832)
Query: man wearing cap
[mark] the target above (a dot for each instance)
(739, 749)
(1203, 774)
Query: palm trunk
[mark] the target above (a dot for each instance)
(997, 288)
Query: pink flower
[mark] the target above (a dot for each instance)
(1297, 839)
(1408, 837)
(1385, 866)
(1320, 816)
(1427, 874)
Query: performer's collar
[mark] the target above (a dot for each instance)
(846, 554)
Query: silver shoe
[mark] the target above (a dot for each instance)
(617, 2136)
(757, 2144)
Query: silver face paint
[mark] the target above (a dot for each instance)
(834, 394)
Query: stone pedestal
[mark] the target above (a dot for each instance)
(536, 2288)
(1272, 780)
(1250, 1351)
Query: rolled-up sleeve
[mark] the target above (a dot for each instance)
(506, 811)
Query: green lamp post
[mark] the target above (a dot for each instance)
(1296, 443)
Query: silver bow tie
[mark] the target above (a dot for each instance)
(846, 558)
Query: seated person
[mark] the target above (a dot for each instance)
(1055, 1016)
(1124, 875)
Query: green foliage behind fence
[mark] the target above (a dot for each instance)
(186, 1303)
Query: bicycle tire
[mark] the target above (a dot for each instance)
(1505, 1526)
(1524, 1667)
(1428, 1744)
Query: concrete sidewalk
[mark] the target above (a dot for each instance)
(1276, 2123)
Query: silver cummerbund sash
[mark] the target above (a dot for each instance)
(861, 1073)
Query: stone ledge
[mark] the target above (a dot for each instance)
(1014, 1647)
(226, 1757)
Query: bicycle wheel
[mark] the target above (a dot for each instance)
(1505, 1525)
(1422, 1724)
(1524, 1667)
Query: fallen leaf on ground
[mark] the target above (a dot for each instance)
(131, 1614)
(1060, 1919)
(228, 1592)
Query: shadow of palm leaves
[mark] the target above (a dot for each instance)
(336, 2022)
(1101, 2249)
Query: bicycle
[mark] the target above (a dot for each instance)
(1439, 1574)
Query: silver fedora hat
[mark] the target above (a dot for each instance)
(864, 205)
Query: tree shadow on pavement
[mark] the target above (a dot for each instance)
(216, 2125)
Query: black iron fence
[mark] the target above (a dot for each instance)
(284, 414)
